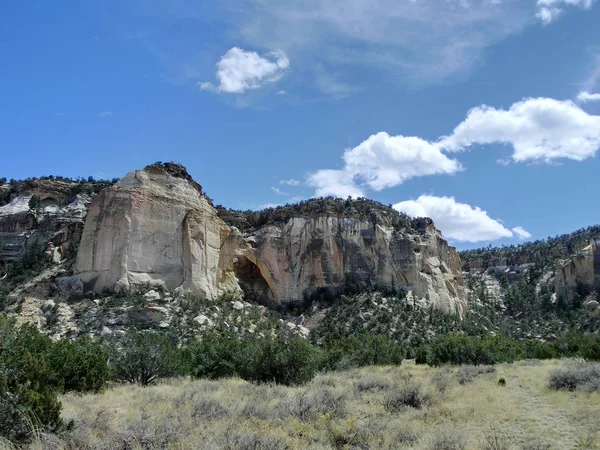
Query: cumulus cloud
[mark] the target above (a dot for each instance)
(458, 221)
(538, 129)
(585, 96)
(338, 183)
(239, 70)
(550, 10)
(521, 233)
(383, 161)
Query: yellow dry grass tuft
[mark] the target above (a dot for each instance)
(432, 410)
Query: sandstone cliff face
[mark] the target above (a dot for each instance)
(151, 228)
(285, 263)
(580, 269)
(59, 218)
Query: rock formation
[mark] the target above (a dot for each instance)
(288, 262)
(155, 228)
(58, 219)
(578, 271)
(151, 228)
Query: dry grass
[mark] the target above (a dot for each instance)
(342, 410)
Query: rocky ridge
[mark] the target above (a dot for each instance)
(156, 231)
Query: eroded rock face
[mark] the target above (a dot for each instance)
(58, 220)
(151, 228)
(580, 269)
(284, 264)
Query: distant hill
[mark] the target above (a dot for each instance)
(543, 253)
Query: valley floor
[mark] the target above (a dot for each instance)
(453, 408)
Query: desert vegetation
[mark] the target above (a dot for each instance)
(383, 407)
(37, 371)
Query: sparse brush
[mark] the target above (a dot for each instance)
(495, 441)
(255, 411)
(536, 445)
(411, 395)
(405, 436)
(468, 373)
(207, 409)
(372, 384)
(344, 434)
(233, 440)
(448, 440)
(582, 377)
(442, 380)
(307, 406)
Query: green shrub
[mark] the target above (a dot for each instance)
(284, 361)
(142, 357)
(475, 350)
(216, 356)
(580, 345)
(80, 365)
(288, 362)
(540, 350)
(27, 385)
(360, 350)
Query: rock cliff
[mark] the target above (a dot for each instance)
(155, 228)
(287, 263)
(151, 228)
(578, 271)
(57, 220)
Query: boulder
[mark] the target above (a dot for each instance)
(152, 296)
(202, 320)
(592, 309)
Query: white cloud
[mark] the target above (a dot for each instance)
(457, 221)
(539, 129)
(334, 182)
(239, 70)
(105, 114)
(278, 191)
(383, 161)
(549, 10)
(290, 182)
(585, 96)
(521, 233)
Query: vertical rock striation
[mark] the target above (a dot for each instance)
(155, 227)
(151, 228)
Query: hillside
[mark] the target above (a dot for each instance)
(544, 253)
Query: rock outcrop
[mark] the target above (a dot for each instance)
(286, 263)
(151, 228)
(155, 228)
(57, 219)
(578, 271)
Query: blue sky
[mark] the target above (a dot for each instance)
(483, 114)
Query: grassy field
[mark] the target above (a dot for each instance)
(374, 407)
